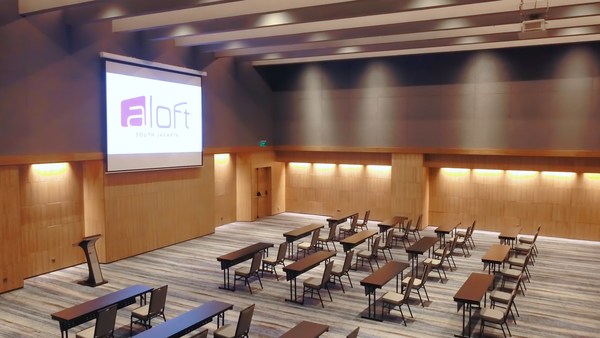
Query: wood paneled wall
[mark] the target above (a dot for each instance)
(149, 210)
(564, 204)
(12, 269)
(326, 188)
(51, 202)
(225, 189)
(93, 204)
(409, 187)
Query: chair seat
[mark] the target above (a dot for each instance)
(304, 245)
(364, 253)
(461, 233)
(392, 297)
(432, 261)
(523, 247)
(526, 240)
(345, 228)
(243, 271)
(270, 260)
(140, 312)
(492, 315)
(313, 282)
(324, 238)
(513, 273)
(227, 331)
(438, 252)
(87, 333)
(337, 270)
(516, 261)
(416, 283)
(500, 296)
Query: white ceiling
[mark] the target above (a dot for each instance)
(288, 31)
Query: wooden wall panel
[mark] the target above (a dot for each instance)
(409, 187)
(12, 269)
(149, 210)
(93, 204)
(325, 188)
(225, 189)
(564, 204)
(51, 203)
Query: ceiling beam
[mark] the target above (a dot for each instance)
(431, 50)
(34, 6)
(237, 8)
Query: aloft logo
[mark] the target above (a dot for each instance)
(140, 112)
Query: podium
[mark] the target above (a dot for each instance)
(88, 244)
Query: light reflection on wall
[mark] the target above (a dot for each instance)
(50, 169)
(456, 172)
(222, 158)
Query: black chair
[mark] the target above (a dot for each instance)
(155, 308)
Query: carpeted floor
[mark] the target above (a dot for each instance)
(562, 299)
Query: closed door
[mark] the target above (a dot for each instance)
(263, 192)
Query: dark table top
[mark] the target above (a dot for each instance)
(341, 217)
(446, 228)
(187, 321)
(306, 329)
(306, 263)
(496, 254)
(381, 276)
(304, 231)
(357, 238)
(422, 245)
(243, 254)
(510, 233)
(101, 302)
(474, 288)
(391, 222)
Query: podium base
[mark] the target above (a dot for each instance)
(91, 283)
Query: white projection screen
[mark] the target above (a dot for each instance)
(153, 115)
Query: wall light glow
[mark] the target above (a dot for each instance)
(522, 173)
(379, 168)
(324, 166)
(299, 164)
(50, 169)
(592, 176)
(222, 158)
(455, 171)
(557, 174)
(488, 172)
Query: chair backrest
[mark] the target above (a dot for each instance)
(315, 238)
(445, 251)
(367, 214)
(418, 224)
(407, 227)
(255, 265)
(348, 261)
(326, 274)
(452, 245)
(243, 325)
(158, 299)
(281, 252)
(105, 322)
(408, 288)
(354, 333)
(354, 222)
(388, 239)
(536, 234)
(375, 246)
(426, 272)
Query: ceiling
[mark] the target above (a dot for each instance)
(267, 32)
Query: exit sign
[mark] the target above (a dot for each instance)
(262, 143)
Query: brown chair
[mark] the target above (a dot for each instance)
(449, 255)
(392, 299)
(155, 308)
(329, 238)
(369, 255)
(402, 234)
(241, 329)
(350, 229)
(315, 284)
(307, 246)
(270, 263)
(463, 242)
(438, 263)
(497, 316)
(465, 232)
(248, 271)
(105, 324)
(388, 244)
(363, 225)
(415, 229)
(419, 283)
(341, 270)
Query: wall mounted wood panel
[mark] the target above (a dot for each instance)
(225, 189)
(12, 269)
(409, 187)
(318, 186)
(149, 210)
(51, 217)
(564, 204)
(93, 204)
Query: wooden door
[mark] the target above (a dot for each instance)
(263, 192)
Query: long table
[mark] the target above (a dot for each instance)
(443, 230)
(419, 248)
(299, 267)
(340, 218)
(391, 222)
(352, 241)
(378, 279)
(298, 233)
(87, 311)
(239, 256)
(306, 329)
(509, 236)
(471, 293)
(189, 321)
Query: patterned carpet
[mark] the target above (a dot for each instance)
(562, 299)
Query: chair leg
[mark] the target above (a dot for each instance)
(350, 280)
(342, 284)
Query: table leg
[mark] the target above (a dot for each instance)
(293, 292)
(372, 316)
(226, 280)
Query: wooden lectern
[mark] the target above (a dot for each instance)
(88, 244)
